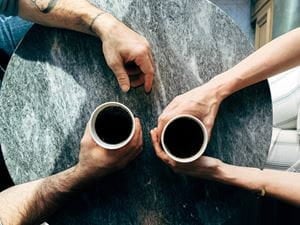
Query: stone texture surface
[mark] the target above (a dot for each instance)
(240, 12)
(56, 78)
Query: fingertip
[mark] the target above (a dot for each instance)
(157, 132)
(152, 132)
(148, 84)
(148, 92)
(138, 122)
(125, 88)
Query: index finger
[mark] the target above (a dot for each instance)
(87, 137)
(135, 141)
(146, 66)
(159, 129)
(156, 145)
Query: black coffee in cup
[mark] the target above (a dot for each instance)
(183, 137)
(113, 125)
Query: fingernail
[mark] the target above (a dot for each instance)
(149, 92)
(125, 88)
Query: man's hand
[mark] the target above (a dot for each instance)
(204, 167)
(31, 202)
(94, 161)
(121, 45)
(202, 102)
(127, 53)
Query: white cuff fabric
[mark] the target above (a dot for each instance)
(284, 153)
(285, 91)
(298, 122)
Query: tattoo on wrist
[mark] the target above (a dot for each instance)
(45, 6)
(93, 21)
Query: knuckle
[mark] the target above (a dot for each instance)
(143, 50)
(147, 45)
(83, 142)
(113, 64)
(177, 99)
(209, 124)
(151, 70)
(122, 78)
(171, 163)
(134, 147)
(162, 118)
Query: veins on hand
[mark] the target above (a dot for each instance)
(45, 6)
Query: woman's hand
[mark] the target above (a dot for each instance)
(95, 161)
(204, 167)
(202, 102)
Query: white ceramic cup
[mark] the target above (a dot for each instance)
(199, 152)
(94, 134)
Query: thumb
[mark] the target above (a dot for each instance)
(120, 72)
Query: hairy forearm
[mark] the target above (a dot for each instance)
(31, 202)
(75, 15)
(279, 184)
(277, 56)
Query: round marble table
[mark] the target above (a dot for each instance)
(56, 78)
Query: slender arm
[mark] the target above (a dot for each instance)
(275, 57)
(278, 184)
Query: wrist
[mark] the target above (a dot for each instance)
(87, 173)
(97, 21)
(101, 23)
(219, 173)
(212, 170)
(245, 177)
(74, 178)
(224, 85)
(78, 16)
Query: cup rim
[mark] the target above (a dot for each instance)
(201, 150)
(93, 129)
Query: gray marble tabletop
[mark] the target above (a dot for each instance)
(56, 78)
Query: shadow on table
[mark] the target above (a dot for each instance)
(152, 192)
(129, 195)
(275, 212)
(5, 179)
(146, 190)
